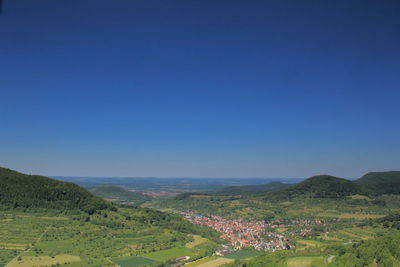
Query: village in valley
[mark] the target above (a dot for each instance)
(259, 235)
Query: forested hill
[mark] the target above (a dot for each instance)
(118, 194)
(18, 190)
(326, 186)
(381, 182)
(320, 186)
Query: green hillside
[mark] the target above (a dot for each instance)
(22, 191)
(45, 222)
(118, 194)
(320, 186)
(381, 182)
(382, 251)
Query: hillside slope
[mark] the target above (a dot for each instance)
(320, 186)
(381, 182)
(18, 190)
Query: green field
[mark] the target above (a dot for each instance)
(216, 263)
(306, 261)
(200, 261)
(133, 262)
(45, 240)
(243, 254)
(169, 254)
(197, 240)
(29, 261)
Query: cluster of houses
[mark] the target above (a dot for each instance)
(240, 234)
(260, 235)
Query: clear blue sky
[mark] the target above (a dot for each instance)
(200, 88)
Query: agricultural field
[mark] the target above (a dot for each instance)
(219, 261)
(256, 208)
(197, 240)
(216, 263)
(300, 232)
(200, 261)
(134, 261)
(243, 254)
(39, 240)
(306, 261)
(168, 254)
(28, 261)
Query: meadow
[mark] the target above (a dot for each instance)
(306, 261)
(243, 254)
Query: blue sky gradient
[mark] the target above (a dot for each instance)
(200, 88)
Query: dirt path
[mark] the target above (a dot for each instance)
(330, 259)
(29, 249)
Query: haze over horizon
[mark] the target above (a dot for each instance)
(200, 89)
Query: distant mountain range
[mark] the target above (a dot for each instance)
(172, 184)
(320, 186)
(18, 190)
(252, 189)
(118, 194)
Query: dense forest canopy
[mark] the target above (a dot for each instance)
(18, 190)
(326, 186)
(377, 183)
(321, 186)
